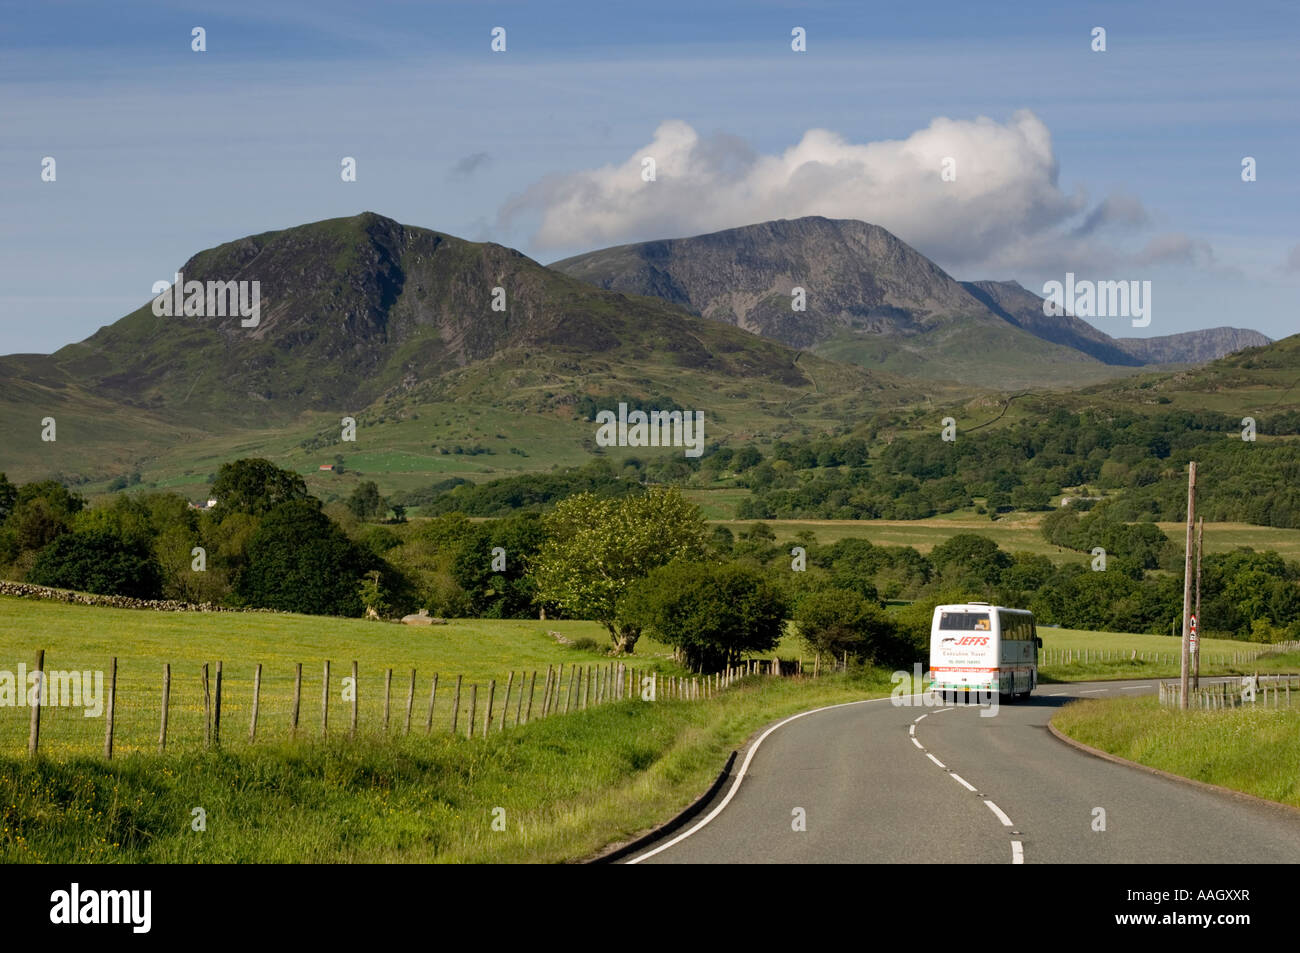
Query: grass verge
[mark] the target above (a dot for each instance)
(1254, 750)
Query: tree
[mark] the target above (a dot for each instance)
(300, 561)
(712, 613)
(256, 487)
(834, 621)
(969, 556)
(365, 501)
(597, 548)
(497, 593)
(98, 562)
(8, 497)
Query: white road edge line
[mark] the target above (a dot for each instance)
(938, 762)
(918, 720)
(1054, 694)
(1006, 821)
(918, 744)
(962, 781)
(749, 756)
(1017, 852)
(911, 729)
(942, 710)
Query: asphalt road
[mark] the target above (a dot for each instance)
(883, 783)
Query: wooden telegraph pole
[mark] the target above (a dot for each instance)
(1196, 648)
(1187, 585)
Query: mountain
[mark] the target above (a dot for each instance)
(1021, 307)
(1192, 347)
(1025, 309)
(874, 300)
(369, 318)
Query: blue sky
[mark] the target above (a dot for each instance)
(162, 151)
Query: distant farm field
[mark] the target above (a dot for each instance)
(1016, 532)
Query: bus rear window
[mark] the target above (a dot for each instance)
(964, 621)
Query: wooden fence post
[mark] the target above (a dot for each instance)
(585, 682)
(356, 694)
(297, 699)
(532, 687)
(487, 712)
(388, 697)
(325, 702)
(112, 707)
(433, 695)
(455, 708)
(505, 705)
(473, 707)
(257, 691)
(216, 710)
(34, 729)
(410, 702)
(166, 697)
(569, 697)
(519, 705)
(546, 691)
(207, 709)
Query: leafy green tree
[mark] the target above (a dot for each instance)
(256, 487)
(8, 497)
(834, 621)
(712, 613)
(597, 548)
(300, 561)
(497, 593)
(98, 562)
(969, 556)
(365, 501)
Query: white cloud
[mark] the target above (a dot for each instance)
(1005, 209)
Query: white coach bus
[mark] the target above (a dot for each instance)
(976, 647)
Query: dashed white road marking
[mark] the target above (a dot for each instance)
(911, 729)
(935, 760)
(918, 744)
(1093, 691)
(944, 710)
(1054, 694)
(1001, 815)
(962, 781)
(917, 721)
(1131, 688)
(1017, 852)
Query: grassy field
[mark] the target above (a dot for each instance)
(1255, 750)
(86, 638)
(567, 786)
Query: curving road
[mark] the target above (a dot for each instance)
(883, 783)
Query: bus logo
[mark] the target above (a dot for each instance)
(973, 640)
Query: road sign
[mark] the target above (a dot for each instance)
(1195, 638)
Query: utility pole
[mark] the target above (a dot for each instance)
(1187, 585)
(1200, 623)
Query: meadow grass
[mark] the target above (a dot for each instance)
(86, 638)
(1255, 750)
(563, 787)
